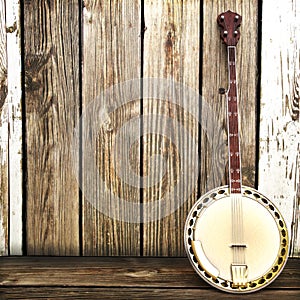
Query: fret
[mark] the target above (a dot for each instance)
(233, 128)
(235, 180)
(233, 135)
(237, 154)
(234, 98)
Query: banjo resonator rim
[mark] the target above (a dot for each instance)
(227, 285)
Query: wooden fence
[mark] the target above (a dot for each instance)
(58, 58)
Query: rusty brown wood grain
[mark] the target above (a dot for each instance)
(3, 136)
(171, 52)
(51, 52)
(111, 56)
(214, 76)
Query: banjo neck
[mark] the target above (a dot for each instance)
(235, 174)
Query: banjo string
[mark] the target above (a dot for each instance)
(237, 229)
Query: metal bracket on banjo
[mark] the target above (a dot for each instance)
(239, 275)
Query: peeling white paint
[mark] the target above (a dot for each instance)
(3, 167)
(279, 132)
(3, 140)
(4, 134)
(15, 125)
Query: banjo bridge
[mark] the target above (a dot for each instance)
(238, 246)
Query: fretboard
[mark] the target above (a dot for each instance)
(233, 125)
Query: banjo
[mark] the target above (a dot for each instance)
(235, 237)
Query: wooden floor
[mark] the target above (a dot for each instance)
(122, 278)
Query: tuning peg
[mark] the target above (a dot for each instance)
(225, 32)
(222, 18)
(236, 18)
(235, 33)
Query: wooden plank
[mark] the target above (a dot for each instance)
(170, 155)
(52, 109)
(279, 145)
(15, 126)
(215, 76)
(111, 55)
(117, 272)
(150, 293)
(3, 135)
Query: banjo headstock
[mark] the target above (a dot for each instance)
(229, 23)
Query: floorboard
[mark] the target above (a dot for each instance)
(122, 278)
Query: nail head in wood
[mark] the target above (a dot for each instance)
(222, 91)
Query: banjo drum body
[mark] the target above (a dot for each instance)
(236, 242)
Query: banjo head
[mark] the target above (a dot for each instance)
(211, 244)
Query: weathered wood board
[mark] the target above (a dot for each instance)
(279, 139)
(170, 140)
(28, 293)
(3, 136)
(112, 278)
(14, 94)
(143, 272)
(51, 52)
(111, 55)
(11, 198)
